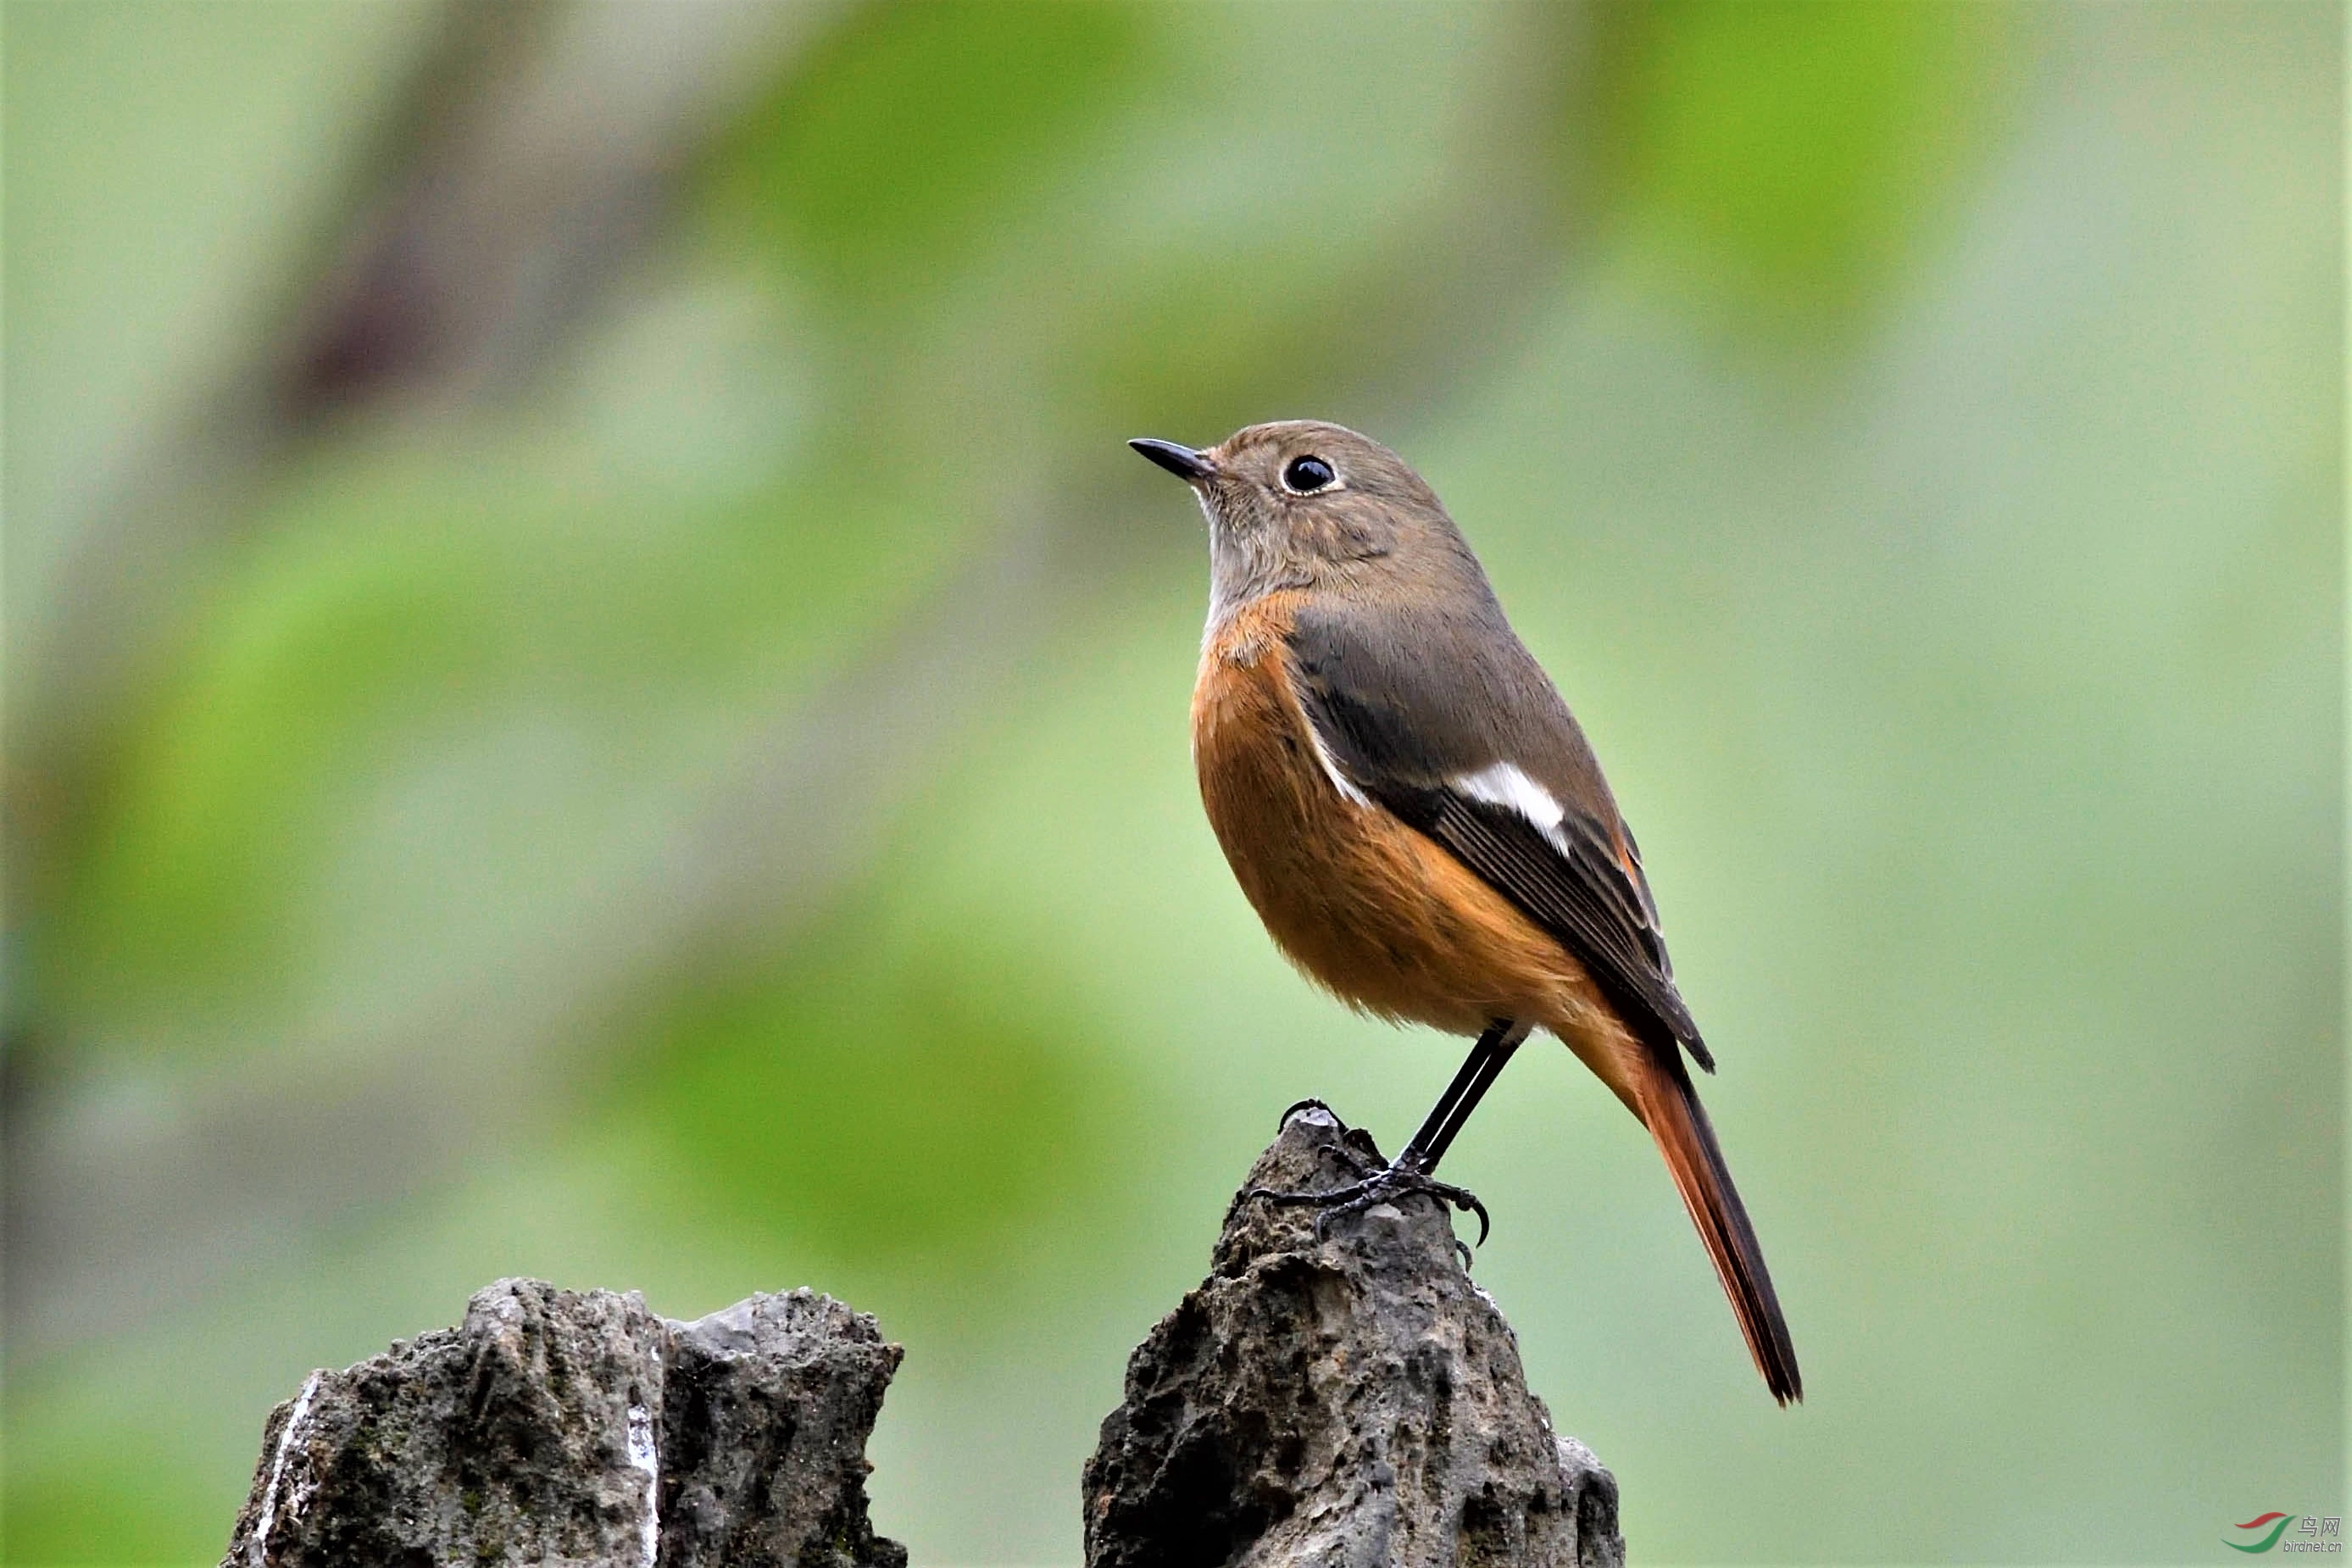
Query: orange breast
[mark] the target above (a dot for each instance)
(1367, 906)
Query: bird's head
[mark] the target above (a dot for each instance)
(1299, 503)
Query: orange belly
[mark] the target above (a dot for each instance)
(1370, 908)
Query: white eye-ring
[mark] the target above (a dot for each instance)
(1305, 476)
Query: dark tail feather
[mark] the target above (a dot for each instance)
(1676, 1118)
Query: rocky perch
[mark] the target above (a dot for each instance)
(1355, 1400)
(1348, 1402)
(561, 1427)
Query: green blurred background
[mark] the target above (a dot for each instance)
(593, 693)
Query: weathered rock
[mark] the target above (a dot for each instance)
(763, 1460)
(1352, 1401)
(579, 1428)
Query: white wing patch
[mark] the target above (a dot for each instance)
(1348, 792)
(1503, 785)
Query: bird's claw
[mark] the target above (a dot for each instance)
(1395, 1180)
(1354, 1143)
(1297, 1106)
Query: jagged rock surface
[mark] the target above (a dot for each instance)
(1352, 1401)
(579, 1428)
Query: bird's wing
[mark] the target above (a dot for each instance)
(1457, 733)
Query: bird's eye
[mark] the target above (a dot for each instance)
(1308, 474)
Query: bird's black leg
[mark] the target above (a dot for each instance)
(1488, 1058)
(1410, 1172)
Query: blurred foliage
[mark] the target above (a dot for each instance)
(912, 1097)
(391, 608)
(1780, 158)
(1969, 660)
(910, 139)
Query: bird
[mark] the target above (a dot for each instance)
(1421, 824)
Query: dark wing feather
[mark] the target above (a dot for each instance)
(1582, 897)
(1375, 697)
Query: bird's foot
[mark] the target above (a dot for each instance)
(1356, 1147)
(1295, 1106)
(1399, 1178)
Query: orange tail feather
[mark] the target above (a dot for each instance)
(1670, 1107)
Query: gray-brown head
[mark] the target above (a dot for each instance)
(1302, 504)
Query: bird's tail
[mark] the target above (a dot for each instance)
(1669, 1107)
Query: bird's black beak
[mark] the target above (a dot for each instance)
(1181, 461)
